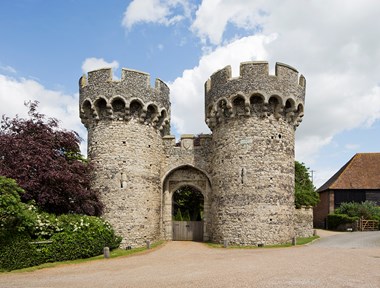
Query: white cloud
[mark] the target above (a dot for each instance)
(165, 12)
(212, 17)
(335, 46)
(91, 64)
(14, 92)
(8, 69)
(336, 52)
(187, 91)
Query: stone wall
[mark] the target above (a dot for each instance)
(127, 159)
(303, 222)
(253, 177)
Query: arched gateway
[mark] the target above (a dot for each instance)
(177, 178)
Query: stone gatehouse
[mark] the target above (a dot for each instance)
(244, 169)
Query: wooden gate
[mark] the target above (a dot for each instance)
(368, 225)
(187, 230)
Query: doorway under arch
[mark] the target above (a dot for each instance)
(194, 182)
(187, 214)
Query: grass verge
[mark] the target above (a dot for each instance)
(113, 254)
(300, 241)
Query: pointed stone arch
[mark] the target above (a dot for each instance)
(184, 175)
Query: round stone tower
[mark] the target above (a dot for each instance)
(126, 120)
(253, 119)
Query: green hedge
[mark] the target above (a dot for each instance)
(334, 220)
(81, 244)
(72, 237)
(16, 252)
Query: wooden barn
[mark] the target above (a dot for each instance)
(357, 181)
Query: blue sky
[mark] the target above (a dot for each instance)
(45, 46)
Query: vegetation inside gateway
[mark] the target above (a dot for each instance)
(188, 204)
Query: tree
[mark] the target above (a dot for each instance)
(305, 194)
(188, 202)
(14, 215)
(45, 161)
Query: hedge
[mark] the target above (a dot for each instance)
(334, 220)
(77, 237)
(16, 252)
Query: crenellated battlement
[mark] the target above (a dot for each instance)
(133, 83)
(129, 77)
(255, 93)
(256, 71)
(102, 97)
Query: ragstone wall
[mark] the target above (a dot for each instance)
(303, 222)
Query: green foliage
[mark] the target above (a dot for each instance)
(84, 238)
(16, 252)
(305, 194)
(368, 210)
(70, 236)
(334, 220)
(190, 203)
(186, 216)
(14, 215)
(178, 216)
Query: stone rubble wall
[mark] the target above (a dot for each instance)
(303, 222)
(253, 182)
(127, 158)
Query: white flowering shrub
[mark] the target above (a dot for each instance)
(70, 236)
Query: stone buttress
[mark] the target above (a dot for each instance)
(253, 119)
(126, 120)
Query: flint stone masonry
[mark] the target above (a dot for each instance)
(244, 169)
(303, 219)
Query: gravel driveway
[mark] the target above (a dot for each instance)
(190, 264)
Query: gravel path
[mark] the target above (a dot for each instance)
(189, 264)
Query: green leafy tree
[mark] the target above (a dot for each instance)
(14, 215)
(45, 161)
(305, 194)
(178, 216)
(189, 201)
(186, 216)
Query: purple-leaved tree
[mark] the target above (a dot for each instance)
(46, 162)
